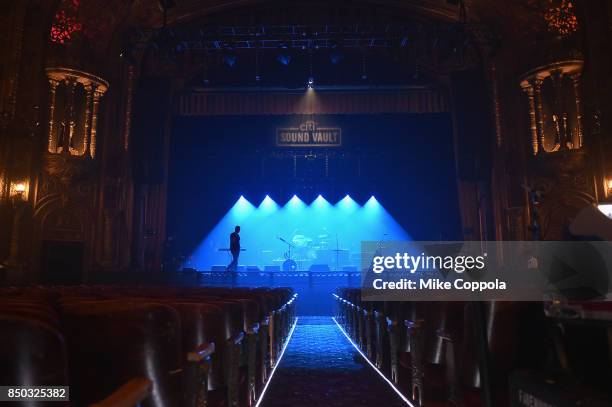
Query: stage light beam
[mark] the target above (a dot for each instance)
(267, 205)
(344, 224)
(347, 203)
(295, 202)
(242, 208)
(372, 203)
(320, 203)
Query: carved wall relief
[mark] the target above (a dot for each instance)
(555, 107)
(73, 111)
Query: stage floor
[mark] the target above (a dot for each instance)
(314, 289)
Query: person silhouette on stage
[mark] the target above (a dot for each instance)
(234, 249)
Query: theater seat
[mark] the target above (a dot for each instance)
(176, 346)
(32, 352)
(119, 341)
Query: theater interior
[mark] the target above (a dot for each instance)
(136, 135)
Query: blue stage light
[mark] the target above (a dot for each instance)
(295, 202)
(321, 207)
(242, 207)
(267, 205)
(371, 203)
(284, 59)
(230, 60)
(347, 203)
(317, 229)
(320, 201)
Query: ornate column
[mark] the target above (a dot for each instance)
(537, 86)
(556, 76)
(78, 139)
(67, 147)
(552, 133)
(578, 100)
(528, 88)
(89, 97)
(97, 95)
(52, 147)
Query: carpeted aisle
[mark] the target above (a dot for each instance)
(321, 368)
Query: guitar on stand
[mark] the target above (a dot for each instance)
(289, 264)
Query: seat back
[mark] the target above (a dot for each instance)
(32, 352)
(117, 341)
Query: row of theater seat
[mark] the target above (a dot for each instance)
(151, 346)
(433, 351)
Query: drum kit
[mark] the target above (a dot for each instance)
(302, 251)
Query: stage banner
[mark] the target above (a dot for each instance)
(486, 271)
(308, 134)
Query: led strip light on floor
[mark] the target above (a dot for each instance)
(263, 392)
(399, 393)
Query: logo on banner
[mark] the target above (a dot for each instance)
(308, 134)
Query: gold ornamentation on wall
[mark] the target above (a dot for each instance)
(97, 95)
(529, 90)
(555, 112)
(73, 111)
(52, 146)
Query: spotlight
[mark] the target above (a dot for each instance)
(310, 81)
(295, 203)
(268, 204)
(230, 60)
(320, 203)
(284, 59)
(335, 58)
(372, 203)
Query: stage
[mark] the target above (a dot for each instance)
(314, 289)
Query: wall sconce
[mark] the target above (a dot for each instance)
(19, 191)
(608, 186)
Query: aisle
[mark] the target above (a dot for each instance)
(321, 368)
